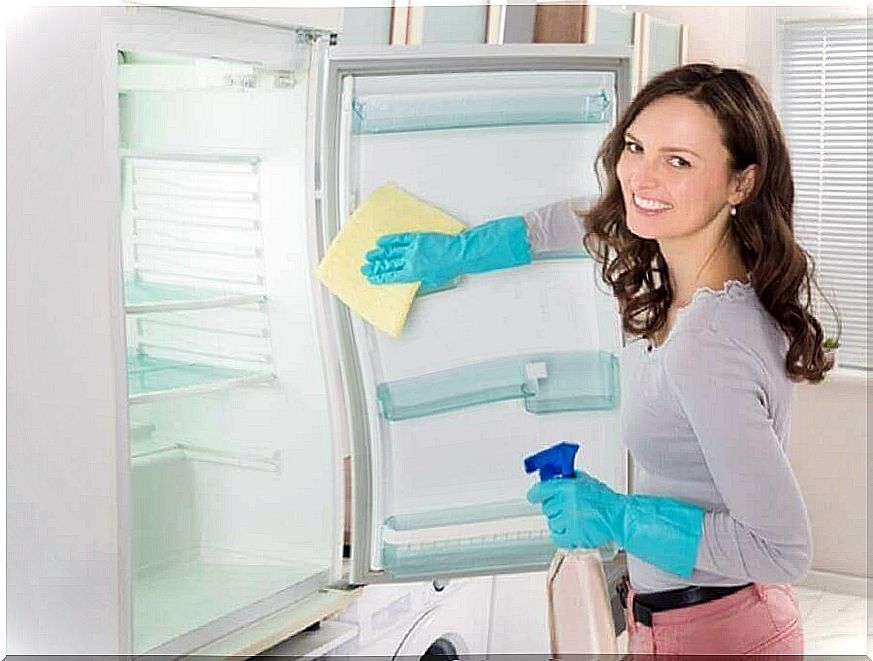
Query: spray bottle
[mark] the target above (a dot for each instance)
(580, 615)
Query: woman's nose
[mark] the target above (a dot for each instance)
(643, 175)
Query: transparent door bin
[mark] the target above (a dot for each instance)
(481, 538)
(548, 383)
(458, 556)
(429, 111)
(481, 555)
(461, 515)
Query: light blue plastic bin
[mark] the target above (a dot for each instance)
(572, 381)
(446, 110)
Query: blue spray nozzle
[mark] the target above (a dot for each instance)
(556, 461)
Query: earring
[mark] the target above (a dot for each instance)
(733, 211)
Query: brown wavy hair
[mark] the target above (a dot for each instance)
(781, 270)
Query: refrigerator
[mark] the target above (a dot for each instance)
(234, 152)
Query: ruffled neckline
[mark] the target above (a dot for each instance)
(732, 290)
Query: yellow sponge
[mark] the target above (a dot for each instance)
(389, 210)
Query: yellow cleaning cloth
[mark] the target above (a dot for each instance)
(389, 210)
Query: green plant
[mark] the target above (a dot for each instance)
(830, 344)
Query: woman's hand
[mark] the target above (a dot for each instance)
(426, 257)
(581, 511)
(434, 259)
(585, 513)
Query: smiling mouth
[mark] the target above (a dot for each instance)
(652, 207)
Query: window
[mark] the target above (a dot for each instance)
(823, 90)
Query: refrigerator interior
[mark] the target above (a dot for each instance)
(504, 363)
(233, 476)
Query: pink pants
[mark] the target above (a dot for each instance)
(760, 619)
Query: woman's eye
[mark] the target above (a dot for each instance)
(681, 162)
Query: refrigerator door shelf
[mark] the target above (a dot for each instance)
(506, 528)
(473, 556)
(429, 111)
(483, 555)
(461, 515)
(459, 539)
(549, 383)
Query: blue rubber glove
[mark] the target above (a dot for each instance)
(435, 259)
(585, 513)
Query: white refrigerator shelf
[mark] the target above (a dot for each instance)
(184, 596)
(150, 378)
(142, 297)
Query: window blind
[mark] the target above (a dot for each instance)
(823, 110)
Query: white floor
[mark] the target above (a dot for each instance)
(835, 623)
(832, 623)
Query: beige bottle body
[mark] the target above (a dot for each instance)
(580, 614)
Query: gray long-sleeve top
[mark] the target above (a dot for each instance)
(706, 418)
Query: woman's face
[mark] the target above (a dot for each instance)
(673, 156)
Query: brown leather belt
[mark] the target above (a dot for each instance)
(654, 602)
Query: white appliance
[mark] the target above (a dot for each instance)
(228, 384)
(435, 618)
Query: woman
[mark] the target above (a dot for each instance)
(694, 234)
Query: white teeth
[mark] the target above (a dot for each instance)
(650, 204)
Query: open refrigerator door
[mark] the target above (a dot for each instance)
(497, 365)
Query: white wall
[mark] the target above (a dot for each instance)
(715, 34)
(828, 452)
